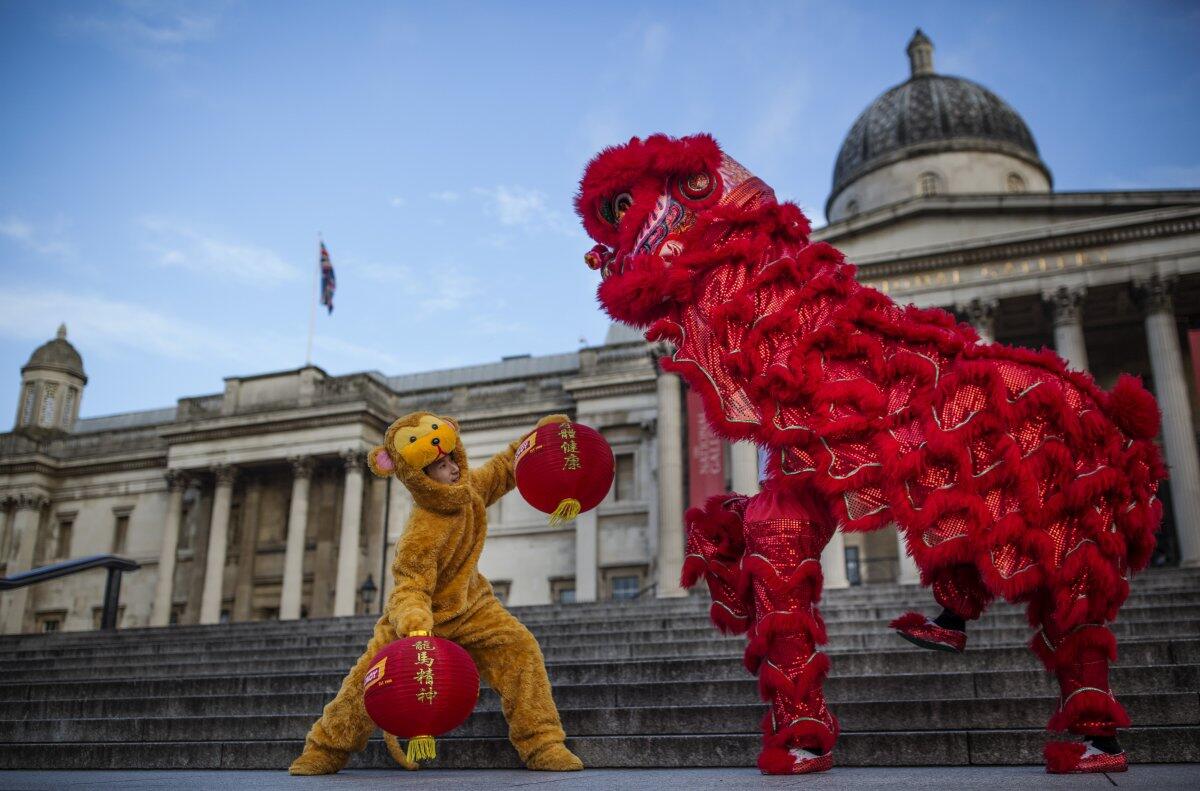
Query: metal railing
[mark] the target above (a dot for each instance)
(112, 586)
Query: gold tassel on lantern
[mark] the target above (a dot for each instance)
(421, 748)
(567, 510)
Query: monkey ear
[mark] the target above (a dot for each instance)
(380, 461)
(453, 424)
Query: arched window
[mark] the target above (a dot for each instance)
(27, 405)
(1014, 183)
(68, 407)
(48, 399)
(929, 184)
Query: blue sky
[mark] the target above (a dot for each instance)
(167, 166)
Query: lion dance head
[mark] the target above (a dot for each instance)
(651, 205)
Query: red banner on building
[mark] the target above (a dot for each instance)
(706, 454)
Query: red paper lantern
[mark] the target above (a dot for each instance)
(420, 687)
(564, 469)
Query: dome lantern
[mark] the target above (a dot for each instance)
(920, 54)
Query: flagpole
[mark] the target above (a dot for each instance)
(312, 312)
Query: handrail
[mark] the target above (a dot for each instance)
(646, 589)
(112, 585)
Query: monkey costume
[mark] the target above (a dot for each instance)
(439, 590)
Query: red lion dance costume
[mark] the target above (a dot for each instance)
(1007, 474)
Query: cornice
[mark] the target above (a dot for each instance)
(612, 384)
(1054, 240)
(227, 427)
(1120, 203)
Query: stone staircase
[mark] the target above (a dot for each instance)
(640, 684)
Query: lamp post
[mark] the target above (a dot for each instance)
(367, 593)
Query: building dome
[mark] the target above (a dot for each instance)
(933, 114)
(57, 355)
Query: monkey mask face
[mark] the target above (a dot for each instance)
(410, 445)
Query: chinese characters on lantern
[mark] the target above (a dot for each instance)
(570, 450)
(424, 677)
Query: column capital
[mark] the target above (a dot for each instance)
(353, 459)
(177, 480)
(1155, 294)
(1066, 304)
(981, 313)
(225, 474)
(31, 501)
(302, 466)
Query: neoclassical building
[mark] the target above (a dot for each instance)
(255, 503)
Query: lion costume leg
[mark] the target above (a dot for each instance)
(344, 726)
(1074, 643)
(511, 661)
(785, 533)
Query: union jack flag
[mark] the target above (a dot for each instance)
(328, 281)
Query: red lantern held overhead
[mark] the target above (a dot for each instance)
(420, 687)
(564, 469)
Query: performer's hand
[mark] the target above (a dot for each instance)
(418, 620)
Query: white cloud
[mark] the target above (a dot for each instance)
(179, 245)
(153, 31)
(353, 356)
(115, 327)
(397, 202)
(40, 240)
(445, 196)
(654, 42)
(421, 295)
(521, 207)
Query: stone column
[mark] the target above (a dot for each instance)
(1066, 306)
(25, 521)
(243, 589)
(293, 559)
(346, 588)
(398, 513)
(164, 586)
(906, 568)
(1178, 434)
(670, 485)
(744, 461)
(981, 313)
(587, 557)
(833, 562)
(218, 541)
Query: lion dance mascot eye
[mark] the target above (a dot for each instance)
(1007, 474)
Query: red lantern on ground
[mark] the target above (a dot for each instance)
(420, 687)
(564, 469)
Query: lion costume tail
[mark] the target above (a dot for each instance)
(1133, 409)
(394, 749)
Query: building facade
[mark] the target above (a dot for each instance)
(255, 503)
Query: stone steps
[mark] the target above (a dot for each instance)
(346, 645)
(1008, 747)
(1152, 709)
(994, 663)
(605, 650)
(641, 684)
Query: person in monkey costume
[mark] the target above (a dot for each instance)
(439, 590)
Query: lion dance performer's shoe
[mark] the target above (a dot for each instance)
(809, 762)
(1093, 755)
(921, 631)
